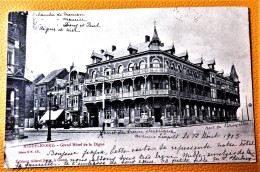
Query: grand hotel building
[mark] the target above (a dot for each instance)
(149, 84)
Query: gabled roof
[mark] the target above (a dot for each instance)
(109, 53)
(206, 63)
(61, 82)
(94, 54)
(132, 47)
(51, 76)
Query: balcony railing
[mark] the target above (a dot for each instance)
(156, 93)
(73, 108)
(15, 70)
(76, 92)
(42, 108)
(141, 72)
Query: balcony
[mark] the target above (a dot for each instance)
(131, 95)
(75, 93)
(73, 108)
(15, 71)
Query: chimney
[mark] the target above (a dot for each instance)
(113, 47)
(102, 51)
(147, 38)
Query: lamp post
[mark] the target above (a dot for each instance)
(49, 122)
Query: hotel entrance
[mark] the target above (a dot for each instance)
(157, 114)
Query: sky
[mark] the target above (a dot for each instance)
(216, 32)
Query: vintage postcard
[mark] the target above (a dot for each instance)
(129, 86)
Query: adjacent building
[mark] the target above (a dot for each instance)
(53, 82)
(29, 100)
(74, 94)
(15, 93)
(148, 84)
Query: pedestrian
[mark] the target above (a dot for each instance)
(102, 131)
(103, 126)
(161, 121)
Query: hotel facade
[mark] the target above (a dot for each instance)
(148, 84)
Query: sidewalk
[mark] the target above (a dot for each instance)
(61, 135)
(98, 129)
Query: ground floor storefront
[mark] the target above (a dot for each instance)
(155, 111)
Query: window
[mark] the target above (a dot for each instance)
(76, 87)
(55, 101)
(213, 79)
(156, 63)
(94, 74)
(131, 67)
(68, 89)
(166, 65)
(107, 114)
(10, 58)
(55, 88)
(179, 68)
(42, 102)
(142, 65)
(107, 72)
(61, 100)
(36, 91)
(67, 102)
(36, 103)
(144, 114)
(120, 69)
(121, 113)
(173, 66)
(42, 90)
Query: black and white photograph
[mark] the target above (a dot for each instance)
(129, 86)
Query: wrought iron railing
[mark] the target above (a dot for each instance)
(15, 70)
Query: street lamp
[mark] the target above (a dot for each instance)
(49, 122)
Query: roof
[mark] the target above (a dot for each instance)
(197, 60)
(221, 71)
(181, 54)
(155, 36)
(94, 54)
(206, 63)
(132, 47)
(108, 53)
(61, 82)
(51, 76)
(226, 75)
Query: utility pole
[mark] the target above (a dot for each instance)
(247, 109)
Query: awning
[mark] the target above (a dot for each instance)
(54, 114)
